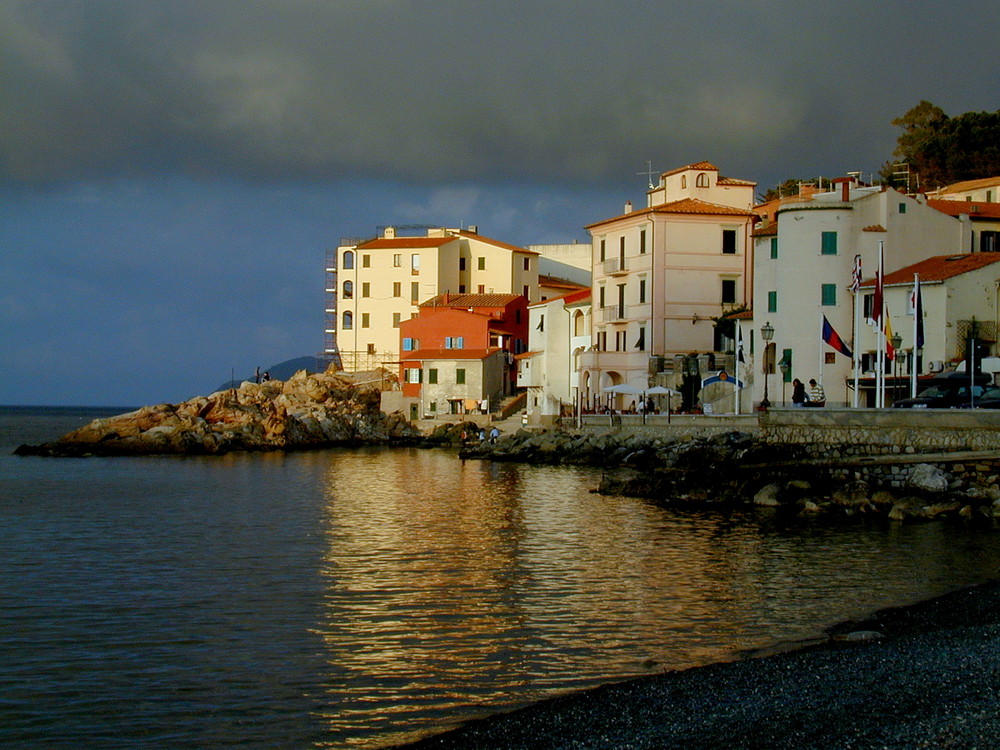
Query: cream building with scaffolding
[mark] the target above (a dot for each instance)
(375, 284)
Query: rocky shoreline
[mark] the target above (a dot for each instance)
(738, 470)
(305, 411)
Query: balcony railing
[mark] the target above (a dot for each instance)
(613, 266)
(614, 313)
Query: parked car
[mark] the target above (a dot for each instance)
(990, 398)
(949, 391)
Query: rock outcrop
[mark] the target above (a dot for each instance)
(306, 411)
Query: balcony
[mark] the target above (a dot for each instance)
(614, 314)
(615, 267)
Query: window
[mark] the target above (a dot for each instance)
(527, 264)
(541, 323)
(366, 289)
(684, 182)
(600, 296)
(365, 318)
(461, 264)
(413, 375)
(829, 243)
(621, 248)
(774, 248)
(408, 344)
(481, 263)
(729, 241)
(989, 196)
(366, 261)
(461, 288)
(433, 406)
(517, 316)
(460, 376)
(454, 342)
(348, 260)
(772, 302)
(397, 289)
(620, 341)
(902, 208)
(397, 260)
(525, 290)
(602, 250)
(642, 291)
(415, 263)
(348, 322)
(729, 291)
(702, 180)
(578, 320)
(988, 241)
(829, 295)
(348, 290)
(395, 319)
(642, 242)
(868, 303)
(481, 289)
(371, 348)
(640, 343)
(602, 341)
(432, 376)
(414, 292)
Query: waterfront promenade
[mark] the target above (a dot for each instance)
(931, 681)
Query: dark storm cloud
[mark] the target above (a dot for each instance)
(415, 90)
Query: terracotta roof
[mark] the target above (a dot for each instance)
(567, 299)
(742, 315)
(424, 354)
(961, 187)
(938, 268)
(975, 209)
(470, 300)
(766, 230)
(874, 228)
(703, 166)
(683, 206)
(526, 355)
(734, 181)
(497, 243)
(405, 242)
(695, 206)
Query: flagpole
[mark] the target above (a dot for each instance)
(822, 346)
(916, 335)
(736, 363)
(857, 348)
(880, 359)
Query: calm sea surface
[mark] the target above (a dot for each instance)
(360, 598)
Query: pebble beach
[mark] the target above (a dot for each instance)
(921, 676)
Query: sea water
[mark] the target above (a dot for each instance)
(360, 598)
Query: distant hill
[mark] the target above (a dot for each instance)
(281, 371)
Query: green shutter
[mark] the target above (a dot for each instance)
(772, 302)
(774, 247)
(460, 376)
(829, 243)
(829, 295)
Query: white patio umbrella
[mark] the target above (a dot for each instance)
(625, 389)
(659, 390)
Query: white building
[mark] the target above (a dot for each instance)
(558, 335)
(803, 269)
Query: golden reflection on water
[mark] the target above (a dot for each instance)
(454, 584)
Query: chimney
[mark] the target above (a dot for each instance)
(473, 229)
(389, 233)
(628, 207)
(445, 298)
(845, 191)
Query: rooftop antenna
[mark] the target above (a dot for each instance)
(649, 174)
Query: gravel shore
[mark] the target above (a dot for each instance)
(931, 681)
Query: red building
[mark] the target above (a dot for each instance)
(459, 350)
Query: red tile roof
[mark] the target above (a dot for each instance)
(975, 209)
(938, 268)
(470, 300)
(703, 166)
(556, 282)
(683, 206)
(873, 228)
(734, 181)
(405, 242)
(567, 299)
(961, 187)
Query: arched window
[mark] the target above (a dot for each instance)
(348, 260)
(348, 290)
(684, 181)
(348, 320)
(702, 180)
(578, 320)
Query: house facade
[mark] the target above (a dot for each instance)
(663, 273)
(803, 273)
(558, 336)
(457, 355)
(380, 283)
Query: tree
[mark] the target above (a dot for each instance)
(939, 150)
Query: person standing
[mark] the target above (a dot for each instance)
(817, 396)
(799, 396)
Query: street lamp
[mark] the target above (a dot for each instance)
(897, 342)
(766, 333)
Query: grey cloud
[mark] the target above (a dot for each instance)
(418, 90)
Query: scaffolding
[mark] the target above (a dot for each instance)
(331, 353)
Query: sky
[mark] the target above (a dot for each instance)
(172, 172)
